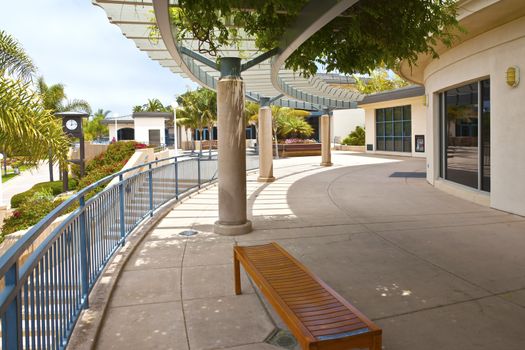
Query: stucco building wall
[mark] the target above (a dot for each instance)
(487, 55)
(418, 117)
(144, 125)
(344, 121)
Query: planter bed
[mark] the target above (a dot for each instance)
(298, 149)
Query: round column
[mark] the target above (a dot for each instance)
(326, 156)
(231, 126)
(265, 145)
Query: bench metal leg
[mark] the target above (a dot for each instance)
(376, 343)
(237, 274)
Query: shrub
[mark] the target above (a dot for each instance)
(292, 141)
(54, 187)
(356, 137)
(31, 211)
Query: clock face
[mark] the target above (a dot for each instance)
(71, 124)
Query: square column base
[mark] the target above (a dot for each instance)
(327, 164)
(232, 230)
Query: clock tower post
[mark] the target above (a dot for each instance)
(72, 127)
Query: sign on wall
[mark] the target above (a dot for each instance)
(420, 143)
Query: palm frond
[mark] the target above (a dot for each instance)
(13, 59)
(75, 105)
(26, 127)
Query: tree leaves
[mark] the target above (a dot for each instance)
(378, 81)
(369, 34)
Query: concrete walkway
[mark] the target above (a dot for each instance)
(26, 180)
(436, 272)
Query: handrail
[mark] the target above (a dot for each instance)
(42, 297)
(33, 233)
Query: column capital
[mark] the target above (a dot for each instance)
(230, 67)
(264, 102)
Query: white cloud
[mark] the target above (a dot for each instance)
(72, 42)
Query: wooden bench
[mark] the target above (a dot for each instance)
(318, 316)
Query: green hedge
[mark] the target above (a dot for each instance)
(54, 187)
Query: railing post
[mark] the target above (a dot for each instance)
(199, 171)
(84, 262)
(150, 181)
(176, 178)
(12, 320)
(122, 214)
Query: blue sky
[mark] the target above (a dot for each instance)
(72, 42)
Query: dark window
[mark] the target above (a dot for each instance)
(465, 135)
(394, 129)
(485, 135)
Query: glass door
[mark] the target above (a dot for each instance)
(465, 135)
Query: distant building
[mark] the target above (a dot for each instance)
(396, 121)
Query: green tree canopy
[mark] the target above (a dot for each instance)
(380, 80)
(367, 35)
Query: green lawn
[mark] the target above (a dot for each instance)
(9, 175)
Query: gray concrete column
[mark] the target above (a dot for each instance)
(326, 155)
(265, 145)
(231, 126)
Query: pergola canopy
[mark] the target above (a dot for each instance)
(263, 72)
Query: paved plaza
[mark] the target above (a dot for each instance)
(434, 271)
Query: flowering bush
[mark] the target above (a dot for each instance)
(30, 212)
(292, 141)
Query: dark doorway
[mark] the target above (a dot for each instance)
(154, 137)
(126, 134)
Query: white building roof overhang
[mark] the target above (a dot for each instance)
(264, 73)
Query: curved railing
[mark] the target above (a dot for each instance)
(43, 290)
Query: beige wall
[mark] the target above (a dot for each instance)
(419, 121)
(344, 121)
(91, 151)
(487, 56)
(143, 125)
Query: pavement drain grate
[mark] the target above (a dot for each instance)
(188, 233)
(282, 338)
(413, 174)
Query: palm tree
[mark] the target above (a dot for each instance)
(54, 98)
(251, 112)
(153, 105)
(14, 62)
(200, 110)
(281, 116)
(296, 127)
(27, 127)
(94, 129)
(187, 118)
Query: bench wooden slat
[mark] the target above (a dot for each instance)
(318, 316)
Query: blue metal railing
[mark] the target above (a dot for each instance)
(44, 290)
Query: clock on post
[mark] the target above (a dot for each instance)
(72, 127)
